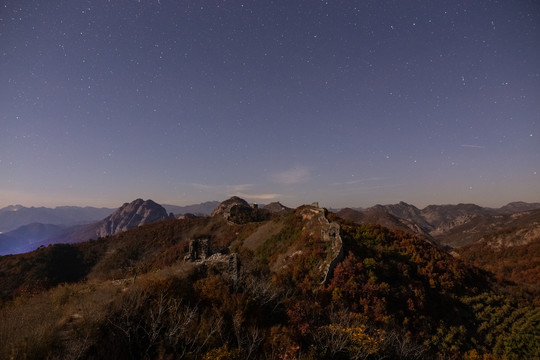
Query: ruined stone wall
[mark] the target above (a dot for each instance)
(330, 232)
(201, 253)
(332, 265)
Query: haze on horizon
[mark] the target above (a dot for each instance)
(345, 103)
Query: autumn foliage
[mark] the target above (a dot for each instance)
(393, 296)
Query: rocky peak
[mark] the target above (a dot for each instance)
(131, 215)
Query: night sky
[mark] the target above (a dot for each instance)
(349, 103)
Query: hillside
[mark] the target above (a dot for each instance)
(303, 283)
(380, 216)
(518, 265)
(495, 230)
(507, 245)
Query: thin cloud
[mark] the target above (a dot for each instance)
(473, 146)
(359, 181)
(292, 176)
(222, 187)
(203, 186)
(240, 187)
(240, 190)
(257, 196)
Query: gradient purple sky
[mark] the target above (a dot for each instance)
(349, 103)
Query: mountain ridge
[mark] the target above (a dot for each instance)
(288, 283)
(442, 221)
(438, 222)
(202, 209)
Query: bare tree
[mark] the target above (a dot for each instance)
(403, 346)
(259, 288)
(185, 332)
(127, 321)
(332, 339)
(165, 321)
(156, 322)
(248, 338)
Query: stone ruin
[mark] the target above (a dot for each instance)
(200, 252)
(199, 249)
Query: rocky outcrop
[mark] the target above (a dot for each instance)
(232, 207)
(238, 211)
(225, 207)
(131, 215)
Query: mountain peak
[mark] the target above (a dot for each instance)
(130, 215)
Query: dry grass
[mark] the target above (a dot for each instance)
(26, 329)
(262, 234)
(59, 323)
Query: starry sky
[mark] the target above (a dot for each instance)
(349, 103)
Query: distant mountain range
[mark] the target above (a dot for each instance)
(204, 208)
(71, 224)
(28, 237)
(130, 215)
(25, 229)
(449, 225)
(14, 216)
